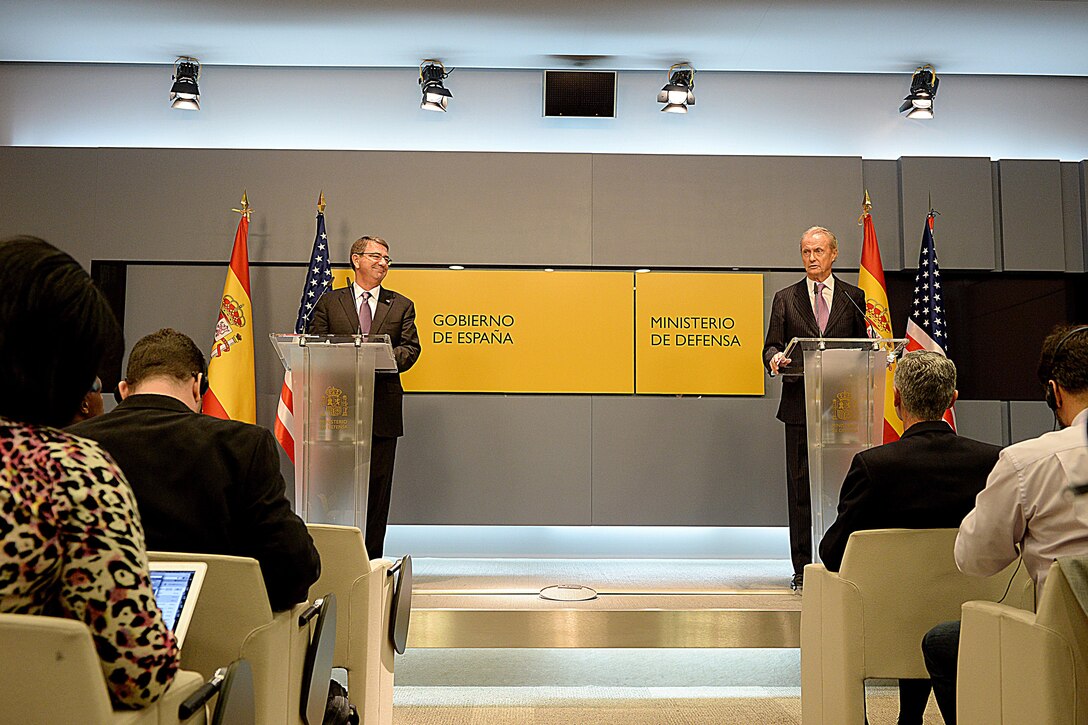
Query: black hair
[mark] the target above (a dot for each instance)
(56, 329)
(1064, 358)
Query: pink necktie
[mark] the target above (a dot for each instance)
(364, 315)
(821, 307)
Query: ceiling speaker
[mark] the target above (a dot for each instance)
(579, 94)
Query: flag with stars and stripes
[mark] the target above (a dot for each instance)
(926, 326)
(318, 282)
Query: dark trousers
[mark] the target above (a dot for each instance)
(913, 698)
(383, 451)
(797, 497)
(941, 649)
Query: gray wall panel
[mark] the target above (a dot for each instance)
(882, 181)
(175, 204)
(688, 461)
(1032, 230)
(525, 208)
(719, 211)
(187, 299)
(983, 420)
(50, 193)
(962, 191)
(1029, 419)
(494, 459)
(1074, 202)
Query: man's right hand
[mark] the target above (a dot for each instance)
(778, 360)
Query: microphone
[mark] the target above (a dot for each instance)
(870, 328)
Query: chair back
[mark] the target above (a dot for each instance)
(1061, 613)
(364, 594)
(908, 581)
(233, 620)
(1017, 667)
(52, 672)
(344, 562)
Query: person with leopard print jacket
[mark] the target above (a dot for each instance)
(71, 542)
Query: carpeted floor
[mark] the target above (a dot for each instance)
(619, 706)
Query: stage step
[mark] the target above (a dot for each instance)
(641, 603)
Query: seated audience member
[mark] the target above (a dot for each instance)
(203, 484)
(69, 530)
(92, 405)
(1025, 508)
(928, 479)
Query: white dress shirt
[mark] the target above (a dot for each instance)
(373, 301)
(1025, 503)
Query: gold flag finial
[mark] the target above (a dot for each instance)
(321, 202)
(246, 210)
(866, 207)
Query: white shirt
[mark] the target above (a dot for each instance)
(1025, 502)
(357, 291)
(829, 292)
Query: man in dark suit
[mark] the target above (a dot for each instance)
(928, 479)
(202, 484)
(365, 306)
(820, 305)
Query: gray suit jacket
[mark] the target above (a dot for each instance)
(335, 314)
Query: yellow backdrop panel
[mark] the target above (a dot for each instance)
(493, 331)
(699, 334)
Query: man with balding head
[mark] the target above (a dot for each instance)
(821, 305)
(928, 479)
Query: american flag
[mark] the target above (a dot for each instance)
(318, 282)
(318, 278)
(927, 328)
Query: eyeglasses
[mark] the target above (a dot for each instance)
(96, 386)
(378, 257)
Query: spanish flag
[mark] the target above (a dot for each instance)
(877, 315)
(232, 390)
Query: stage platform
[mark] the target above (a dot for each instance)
(495, 603)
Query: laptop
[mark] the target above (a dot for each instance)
(177, 585)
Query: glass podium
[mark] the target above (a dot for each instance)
(844, 404)
(332, 382)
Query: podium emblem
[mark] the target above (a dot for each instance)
(336, 402)
(843, 407)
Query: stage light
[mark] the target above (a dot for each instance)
(435, 95)
(679, 92)
(184, 94)
(923, 89)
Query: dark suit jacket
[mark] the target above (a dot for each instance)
(209, 486)
(395, 316)
(928, 479)
(792, 316)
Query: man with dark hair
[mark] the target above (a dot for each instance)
(1025, 508)
(821, 305)
(367, 307)
(927, 479)
(202, 484)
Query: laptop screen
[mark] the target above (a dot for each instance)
(176, 586)
(171, 591)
